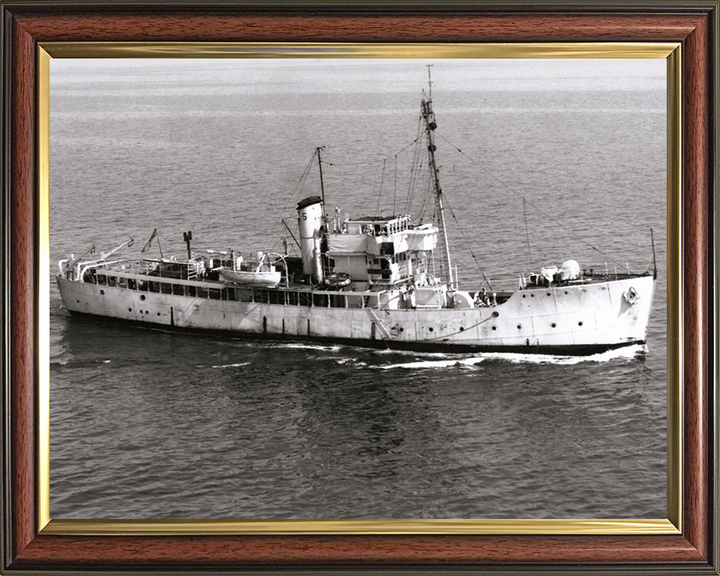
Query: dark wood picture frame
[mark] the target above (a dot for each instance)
(694, 24)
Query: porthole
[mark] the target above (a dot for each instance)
(580, 323)
(494, 327)
(519, 326)
(142, 296)
(523, 295)
(129, 309)
(566, 291)
(430, 329)
(158, 313)
(102, 292)
(549, 294)
(496, 314)
(401, 328)
(532, 295)
(461, 329)
(78, 301)
(553, 325)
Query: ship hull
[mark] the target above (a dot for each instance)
(577, 319)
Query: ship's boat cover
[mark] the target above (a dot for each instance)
(570, 270)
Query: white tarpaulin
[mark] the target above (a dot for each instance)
(347, 243)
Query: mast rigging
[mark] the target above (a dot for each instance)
(430, 125)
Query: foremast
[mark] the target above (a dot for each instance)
(430, 125)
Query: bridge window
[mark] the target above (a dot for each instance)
(214, 293)
(387, 248)
(305, 299)
(190, 291)
(101, 280)
(111, 281)
(178, 289)
(292, 298)
(165, 288)
(132, 283)
(201, 292)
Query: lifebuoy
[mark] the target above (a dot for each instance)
(338, 280)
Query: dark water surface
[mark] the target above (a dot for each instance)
(153, 424)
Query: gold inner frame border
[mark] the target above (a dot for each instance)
(669, 51)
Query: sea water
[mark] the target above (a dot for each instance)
(147, 423)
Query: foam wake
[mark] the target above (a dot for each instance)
(231, 365)
(453, 360)
(301, 346)
(626, 353)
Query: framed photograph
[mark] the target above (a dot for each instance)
(359, 288)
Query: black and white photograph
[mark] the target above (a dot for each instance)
(358, 288)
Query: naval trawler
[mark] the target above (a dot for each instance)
(367, 281)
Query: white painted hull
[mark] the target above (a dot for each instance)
(571, 319)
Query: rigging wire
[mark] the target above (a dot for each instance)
(650, 262)
(462, 233)
(299, 186)
(570, 230)
(426, 200)
(382, 180)
(415, 167)
(295, 193)
(370, 161)
(527, 234)
(395, 185)
(306, 172)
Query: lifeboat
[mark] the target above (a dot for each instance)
(260, 278)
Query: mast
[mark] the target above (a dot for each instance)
(322, 185)
(430, 125)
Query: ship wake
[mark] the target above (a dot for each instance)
(455, 360)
